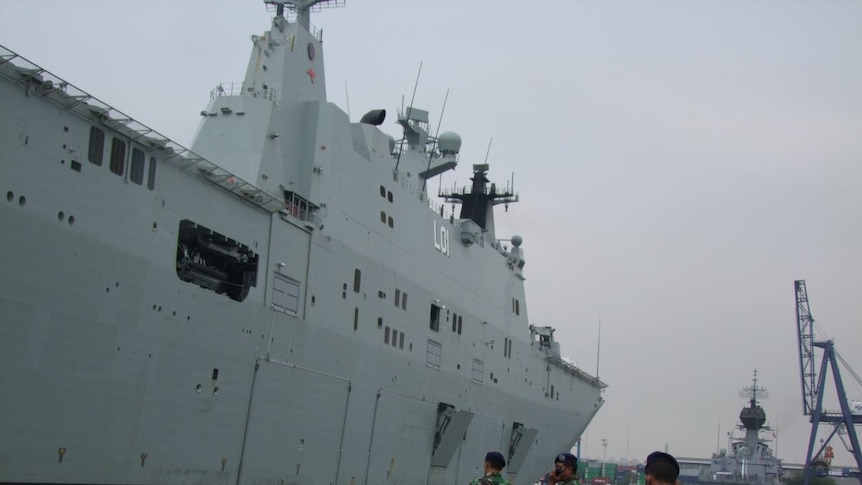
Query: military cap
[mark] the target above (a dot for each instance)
(495, 459)
(567, 459)
(661, 457)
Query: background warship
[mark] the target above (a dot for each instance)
(282, 303)
(748, 460)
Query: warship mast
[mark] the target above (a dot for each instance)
(478, 201)
(753, 417)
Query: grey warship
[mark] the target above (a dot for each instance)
(749, 459)
(280, 303)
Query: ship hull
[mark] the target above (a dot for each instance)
(115, 368)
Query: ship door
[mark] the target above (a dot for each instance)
(295, 425)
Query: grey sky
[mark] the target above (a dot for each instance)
(680, 163)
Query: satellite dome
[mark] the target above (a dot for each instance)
(517, 241)
(449, 143)
(753, 417)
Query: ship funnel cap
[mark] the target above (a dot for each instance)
(374, 117)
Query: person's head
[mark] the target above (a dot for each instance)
(494, 462)
(661, 468)
(565, 466)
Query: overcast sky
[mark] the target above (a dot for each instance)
(680, 164)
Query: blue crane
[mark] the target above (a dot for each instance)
(814, 385)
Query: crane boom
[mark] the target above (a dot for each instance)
(805, 326)
(813, 388)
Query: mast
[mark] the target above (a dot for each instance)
(302, 8)
(753, 417)
(478, 201)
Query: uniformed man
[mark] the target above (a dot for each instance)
(565, 470)
(661, 469)
(494, 464)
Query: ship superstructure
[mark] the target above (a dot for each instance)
(748, 460)
(282, 303)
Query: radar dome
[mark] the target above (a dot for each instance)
(449, 143)
(517, 241)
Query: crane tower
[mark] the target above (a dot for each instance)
(814, 385)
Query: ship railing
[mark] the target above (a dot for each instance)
(503, 248)
(39, 81)
(316, 32)
(438, 207)
(501, 197)
(299, 208)
(188, 161)
(242, 89)
(435, 205)
(69, 97)
(573, 369)
(509, 194)
(292, 15)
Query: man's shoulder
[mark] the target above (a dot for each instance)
(490, 480)
(571, 481)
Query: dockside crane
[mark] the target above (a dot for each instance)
(814, 385)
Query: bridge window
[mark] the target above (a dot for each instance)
(97, 146)
(151, 176)
(357, 280)
(118, 156)
(435, 318)
(400, 299)
(136, 171)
